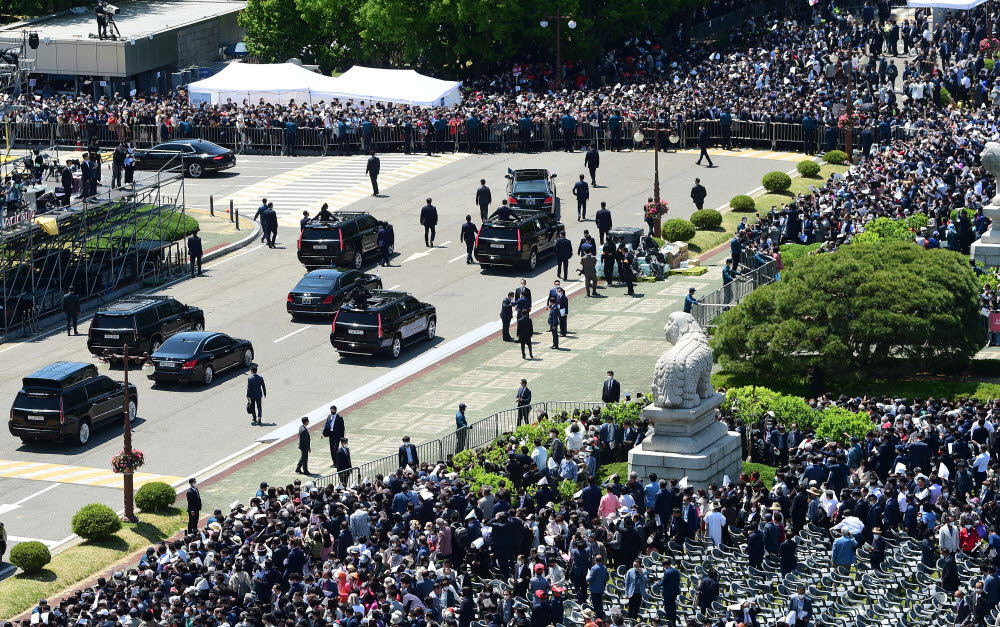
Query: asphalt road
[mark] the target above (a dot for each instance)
(183, 430)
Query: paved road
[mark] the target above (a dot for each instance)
(183, 430)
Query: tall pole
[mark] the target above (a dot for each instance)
(850, 107)
(128, 486)
(656, 162)
(558, 56)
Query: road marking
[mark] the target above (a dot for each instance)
(394, 287)
(416, 256)
(59, 473)
(457, 258)
(9, 507)
(285, 337)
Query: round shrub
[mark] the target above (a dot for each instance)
(776, 181)
(808, 168)
(706, 219)
(96, 521)
(154, 495)
(742, 203)
(836, 157)
(30, 556)
(678, 230)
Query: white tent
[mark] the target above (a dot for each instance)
(402, 86)
(954, 5)
(274, 82)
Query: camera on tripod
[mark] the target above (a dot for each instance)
(111, 10)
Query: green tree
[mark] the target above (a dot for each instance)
(276, 31)
(866, 309)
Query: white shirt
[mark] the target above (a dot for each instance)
(713, 523)
(982, 461)
(539, 455)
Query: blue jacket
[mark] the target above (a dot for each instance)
(663, 505)
(755, 547)
(256, 387)
(564, 249)
(591, 498)
(602, 220)
(598, 579)
(843, 551)
(651, 490)
(635, 582)
(670, 585)
(567, 123)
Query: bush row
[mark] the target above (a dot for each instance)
(750, 403)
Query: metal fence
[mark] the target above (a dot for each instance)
(711, 306)
(716, 26)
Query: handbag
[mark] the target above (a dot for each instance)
(249, 406)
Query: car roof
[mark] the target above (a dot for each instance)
(520, 217)
(325, 273)
(338, 218)
(194, 142)
(531, 174)
(378, 299)
(133, 303)
(195, 336)
(60, 370)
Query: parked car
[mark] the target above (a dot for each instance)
(531, 189)
(322, 292)
(142, 322)
(194, 156)
(199, 356)
(344, 241)
(65, 401)
(386, 321)
(519, 241)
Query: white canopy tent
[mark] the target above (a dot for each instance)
(954, 5)
(400, 86)
(274, 82)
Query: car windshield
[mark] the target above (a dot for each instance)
(37, 399)
(104, 321)
(530, 186)
(320, 233)
(179, 345)
(209, 148)
(317, 283)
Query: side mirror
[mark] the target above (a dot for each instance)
(508, 177)
(552, 176)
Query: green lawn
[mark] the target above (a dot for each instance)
(606, 470)
(22, 592)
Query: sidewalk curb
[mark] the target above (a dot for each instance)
(228, 248)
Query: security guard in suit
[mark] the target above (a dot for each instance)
(468, 235)
(194, 251)
(483, 199)
(372, 170)
(305, 447)
(343, 460)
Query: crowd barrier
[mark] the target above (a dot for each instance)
(712, 305)
(493, 138)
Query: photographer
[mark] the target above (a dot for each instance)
(102, 20)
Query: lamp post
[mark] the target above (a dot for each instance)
(558, 18)
(848, 76)
(128, 485)
(639, 137)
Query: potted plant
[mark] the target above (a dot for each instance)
(127, 462)
(655, 212)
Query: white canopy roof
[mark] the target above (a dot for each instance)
(402, 86)
(274, 82)
(955, 5)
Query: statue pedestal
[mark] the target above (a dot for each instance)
(987, 249)
(688, 443)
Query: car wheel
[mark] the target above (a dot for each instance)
(199, 326)
(247, 357)
(431, 329)
(133, 410)
(397, 347)
(195, 170)
(83, 432)
(154, 345)
(207, 375)
(359, 259)
(533, 259)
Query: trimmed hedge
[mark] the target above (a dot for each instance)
(154, 495)
(808, 168)
(776, 181)
(742, 203)
(969, 213)
(945, 98)
(836, 157)
(790, 253)
(96, 521)
(678, 230)
(31, 556)
(706, 219)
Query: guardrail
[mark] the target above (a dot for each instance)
(476, 435)
(712, 305)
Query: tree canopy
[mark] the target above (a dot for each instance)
(887, 308)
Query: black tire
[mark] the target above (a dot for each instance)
(532, 262)
(358, 259)
(208, 375)
(397, 347)
(195, 170)
(82, 432)
(248, 357)
(198, 325)
(431, 329)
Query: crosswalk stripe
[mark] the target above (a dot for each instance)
(79, 475)
(40, 473)
(16, 470)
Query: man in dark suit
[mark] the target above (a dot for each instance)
(193, 505)
(85, 176)
(612, 391)
(582, 193)
(408, 454)
(592, 161)
(71, 307)
(483, 199)
(523, 403)
(334, 429)
(564, 252)
(704, 141)
(343, 460)
(468, 235)
(522, 296)
(194, 252)
(66, 178)
(801, 605)
(372, 169)
(506, 315)
(256, 390)
(788, 560)
(429, 220)
(962, 608)
(269, 220)
(755, 548)
(877, 554)
(602, 220)
(670, 587)
(304, 448)
(698, 194)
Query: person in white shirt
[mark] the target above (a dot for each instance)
(539, 455)
(714, 523)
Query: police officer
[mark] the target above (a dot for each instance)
(483, 199)
(194, 252)
(468, 235)
(429, 220)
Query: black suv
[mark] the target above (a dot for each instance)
(531, 189)
(64, 400)
(342, 241)
(518, 241)
(385, 320)
(142, 322)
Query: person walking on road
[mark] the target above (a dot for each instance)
(342, 460)
(384, 241)
(608, 253)
(372, 170)
(589, 263)
(506, 315)
(334, 429)
(523, 403)
(256, 390)
(461, 427)
(71, 307)
(698, 194)
(592, 161)
(562, 302)
(525, 329)
(602, 219)
(429, 220)
(305, 447)
(270, 224)
(483, 199)
(468, 235)
(259, 217)
(564, 252)
(193, 506)
(582, 192)
(704, 141)
(553, 321)
(194, 252)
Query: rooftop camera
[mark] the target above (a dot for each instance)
(111, 9)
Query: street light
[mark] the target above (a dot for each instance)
(544, 23)
(849, 127)
(147, 366)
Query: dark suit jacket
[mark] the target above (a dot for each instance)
(304, 439)
(564, 249)
(67, 180)
(581, 190)
(698, 193)
(593, 159)
(256, 387)
(193, 500)
(523, 291)
(334, 429)
(343, 458)
(373, 166)
(704, 139)
(402, 455)
(469, 232)
(194, 246)
(71, 304)
(611, 392)
(602, 219)
(429, 215)
(483, 196)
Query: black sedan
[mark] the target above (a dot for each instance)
(531, 189)
(194, 156)
(199, 356)
(322, 292)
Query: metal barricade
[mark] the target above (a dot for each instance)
(311, 139)
(752, 133)
(712, 305)
(388, 138)
(27, 134)
(788, 137)
(429, 452)
(556, 408)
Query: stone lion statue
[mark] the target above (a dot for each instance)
(682, 376)
(990, 157)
